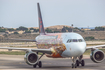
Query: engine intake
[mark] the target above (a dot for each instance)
(97, 56)
(31, 58)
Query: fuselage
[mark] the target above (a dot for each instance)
(62, 44)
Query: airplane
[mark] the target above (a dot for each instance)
(58, 45)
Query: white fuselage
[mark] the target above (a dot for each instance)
(64, 44)
(75, 45)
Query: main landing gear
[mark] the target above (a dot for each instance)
(82, 62)
(39, 63)
(77, 62)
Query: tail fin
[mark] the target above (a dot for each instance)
(41, 27)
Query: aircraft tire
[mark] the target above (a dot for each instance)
(40, 64)
(77, 62)
(72, 65)
(34, 66)
(75, 65)
(83, 63)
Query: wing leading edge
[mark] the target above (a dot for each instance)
(48, 51)
(92, 47)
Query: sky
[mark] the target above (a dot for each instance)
(80, 13)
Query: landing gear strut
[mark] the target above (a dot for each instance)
(74, 65)
(39, 63)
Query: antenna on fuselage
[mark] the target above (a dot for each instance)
(72, 27)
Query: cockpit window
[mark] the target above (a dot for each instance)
(80, 40)
(74, 40)
(68, 41)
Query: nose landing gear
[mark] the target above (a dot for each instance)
(73, 65)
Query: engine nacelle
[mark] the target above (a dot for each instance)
(97, 56)
(31, 58)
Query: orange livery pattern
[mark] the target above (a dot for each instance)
(53, 41)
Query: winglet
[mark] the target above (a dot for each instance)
(41, 27)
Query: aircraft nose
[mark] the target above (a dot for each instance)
(81, 47)
(76, 49)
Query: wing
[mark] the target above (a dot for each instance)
(91, 47)
(48, 51)
(28, 40)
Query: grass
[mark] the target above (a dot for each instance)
(15, 52)
(87, 52)
(93, 44)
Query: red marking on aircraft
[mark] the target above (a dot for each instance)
(39, 18)
(40, 26)
(39, 30)
(40, 21)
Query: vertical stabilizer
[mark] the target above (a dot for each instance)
(41, 27)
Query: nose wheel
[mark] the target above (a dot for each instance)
(74, 65)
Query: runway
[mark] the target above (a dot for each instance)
(16, 62)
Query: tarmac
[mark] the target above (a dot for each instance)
(16, 62)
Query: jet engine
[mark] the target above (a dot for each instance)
(97, 56)
(31, 58)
